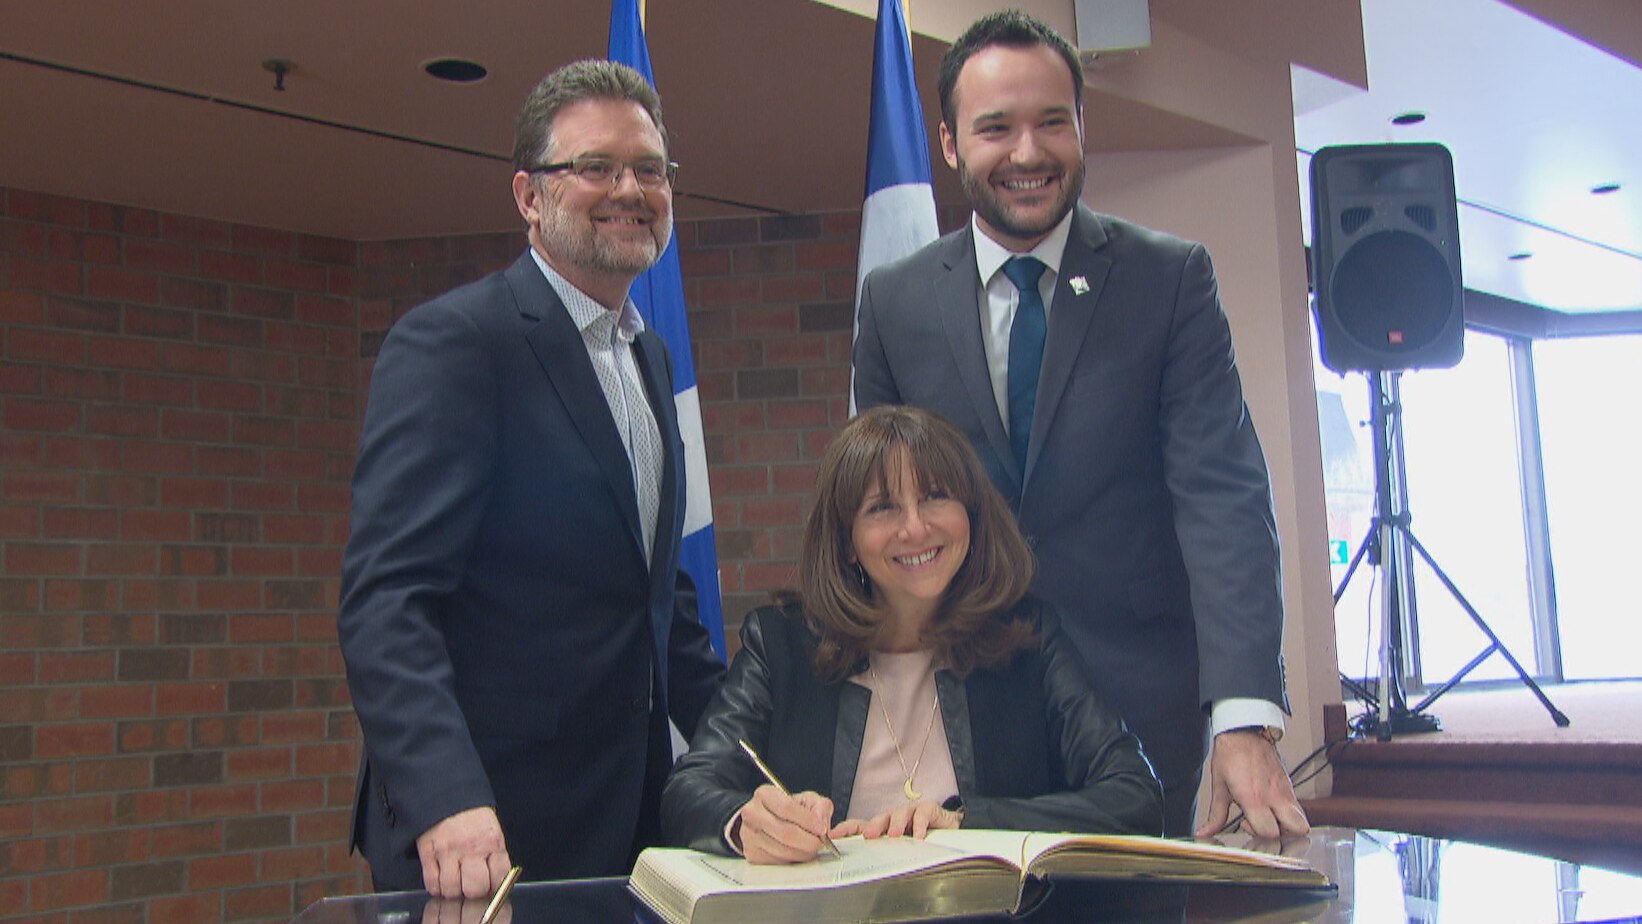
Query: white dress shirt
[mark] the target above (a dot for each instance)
(608, 337)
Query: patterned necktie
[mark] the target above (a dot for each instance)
(1026, 336)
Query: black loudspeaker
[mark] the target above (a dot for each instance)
(1385, 252)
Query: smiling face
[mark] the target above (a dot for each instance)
(911, 539)
(598, 235)
(1018, 142)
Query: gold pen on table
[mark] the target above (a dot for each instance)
(770, 775)
(500, 898)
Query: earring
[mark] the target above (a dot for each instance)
(861, 577)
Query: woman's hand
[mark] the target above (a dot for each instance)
(915, 818)
(777, 828)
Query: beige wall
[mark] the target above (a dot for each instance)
(1242, 201)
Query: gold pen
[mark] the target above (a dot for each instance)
(770, 775)
(500, 898)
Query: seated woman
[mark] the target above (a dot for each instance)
(914, 684)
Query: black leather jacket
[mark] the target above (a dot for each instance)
(1032, 746)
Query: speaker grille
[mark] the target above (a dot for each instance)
(1353, 218)
(1423, 215)
(1393, 293)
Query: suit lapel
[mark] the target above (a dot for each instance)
(562, 354)
(1070, 314)
(955, 295)
(649, 352)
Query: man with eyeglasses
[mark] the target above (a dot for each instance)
(516, 627)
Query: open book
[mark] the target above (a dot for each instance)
(953, 873)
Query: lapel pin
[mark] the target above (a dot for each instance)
(1079, 285)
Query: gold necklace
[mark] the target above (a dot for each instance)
(913, 795)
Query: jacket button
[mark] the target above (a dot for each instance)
(640, 705)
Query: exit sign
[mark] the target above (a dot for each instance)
(1339, 552)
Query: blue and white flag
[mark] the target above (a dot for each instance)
(898, 216)
(659, 295)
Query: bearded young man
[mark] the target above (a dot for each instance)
(516, 627)
(1090, 363)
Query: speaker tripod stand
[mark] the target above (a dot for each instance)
(1392, 714)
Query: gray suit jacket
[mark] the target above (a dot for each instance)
(1145, 495)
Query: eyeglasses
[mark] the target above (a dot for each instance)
(648, 173)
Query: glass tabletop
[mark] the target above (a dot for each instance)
(1382, 876)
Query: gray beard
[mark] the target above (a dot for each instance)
(576, 239)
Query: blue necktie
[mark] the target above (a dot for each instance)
(1026, 336)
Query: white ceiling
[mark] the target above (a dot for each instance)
(1534, 117)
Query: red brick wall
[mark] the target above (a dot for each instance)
(770, 320)
(180, 402)
(771, 303)
(178, 406)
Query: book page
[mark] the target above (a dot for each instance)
(1008, 846)
(863, 861)
(1140, 845)
(1129, 856)
(884, 879)
(693, 874)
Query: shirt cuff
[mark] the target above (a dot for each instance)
(730, 840)
(1227, 714)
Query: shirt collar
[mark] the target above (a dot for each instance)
(586, 312)
(990, 255)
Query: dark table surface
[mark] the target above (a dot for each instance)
(1382, 876)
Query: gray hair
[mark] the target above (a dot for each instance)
(575, 83)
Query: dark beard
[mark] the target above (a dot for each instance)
(985, 203)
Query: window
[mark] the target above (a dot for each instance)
(1591, 431)
(1465, 500)
(1348, 483)
(1518, 468)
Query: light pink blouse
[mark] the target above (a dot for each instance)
(905, 687)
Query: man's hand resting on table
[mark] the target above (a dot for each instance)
(1245, 769)
(464, 856)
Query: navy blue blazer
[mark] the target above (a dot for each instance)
(505, 643)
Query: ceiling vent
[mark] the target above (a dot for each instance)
(1107, 26)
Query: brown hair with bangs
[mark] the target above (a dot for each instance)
(970, 629)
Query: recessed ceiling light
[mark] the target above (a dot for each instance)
(1520, 255)
(1408, 118)
(1604, 189)
(456, 70)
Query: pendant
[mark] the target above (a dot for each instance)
(912, 795)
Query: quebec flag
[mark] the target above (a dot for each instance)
(659, 295)
(898, 216)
